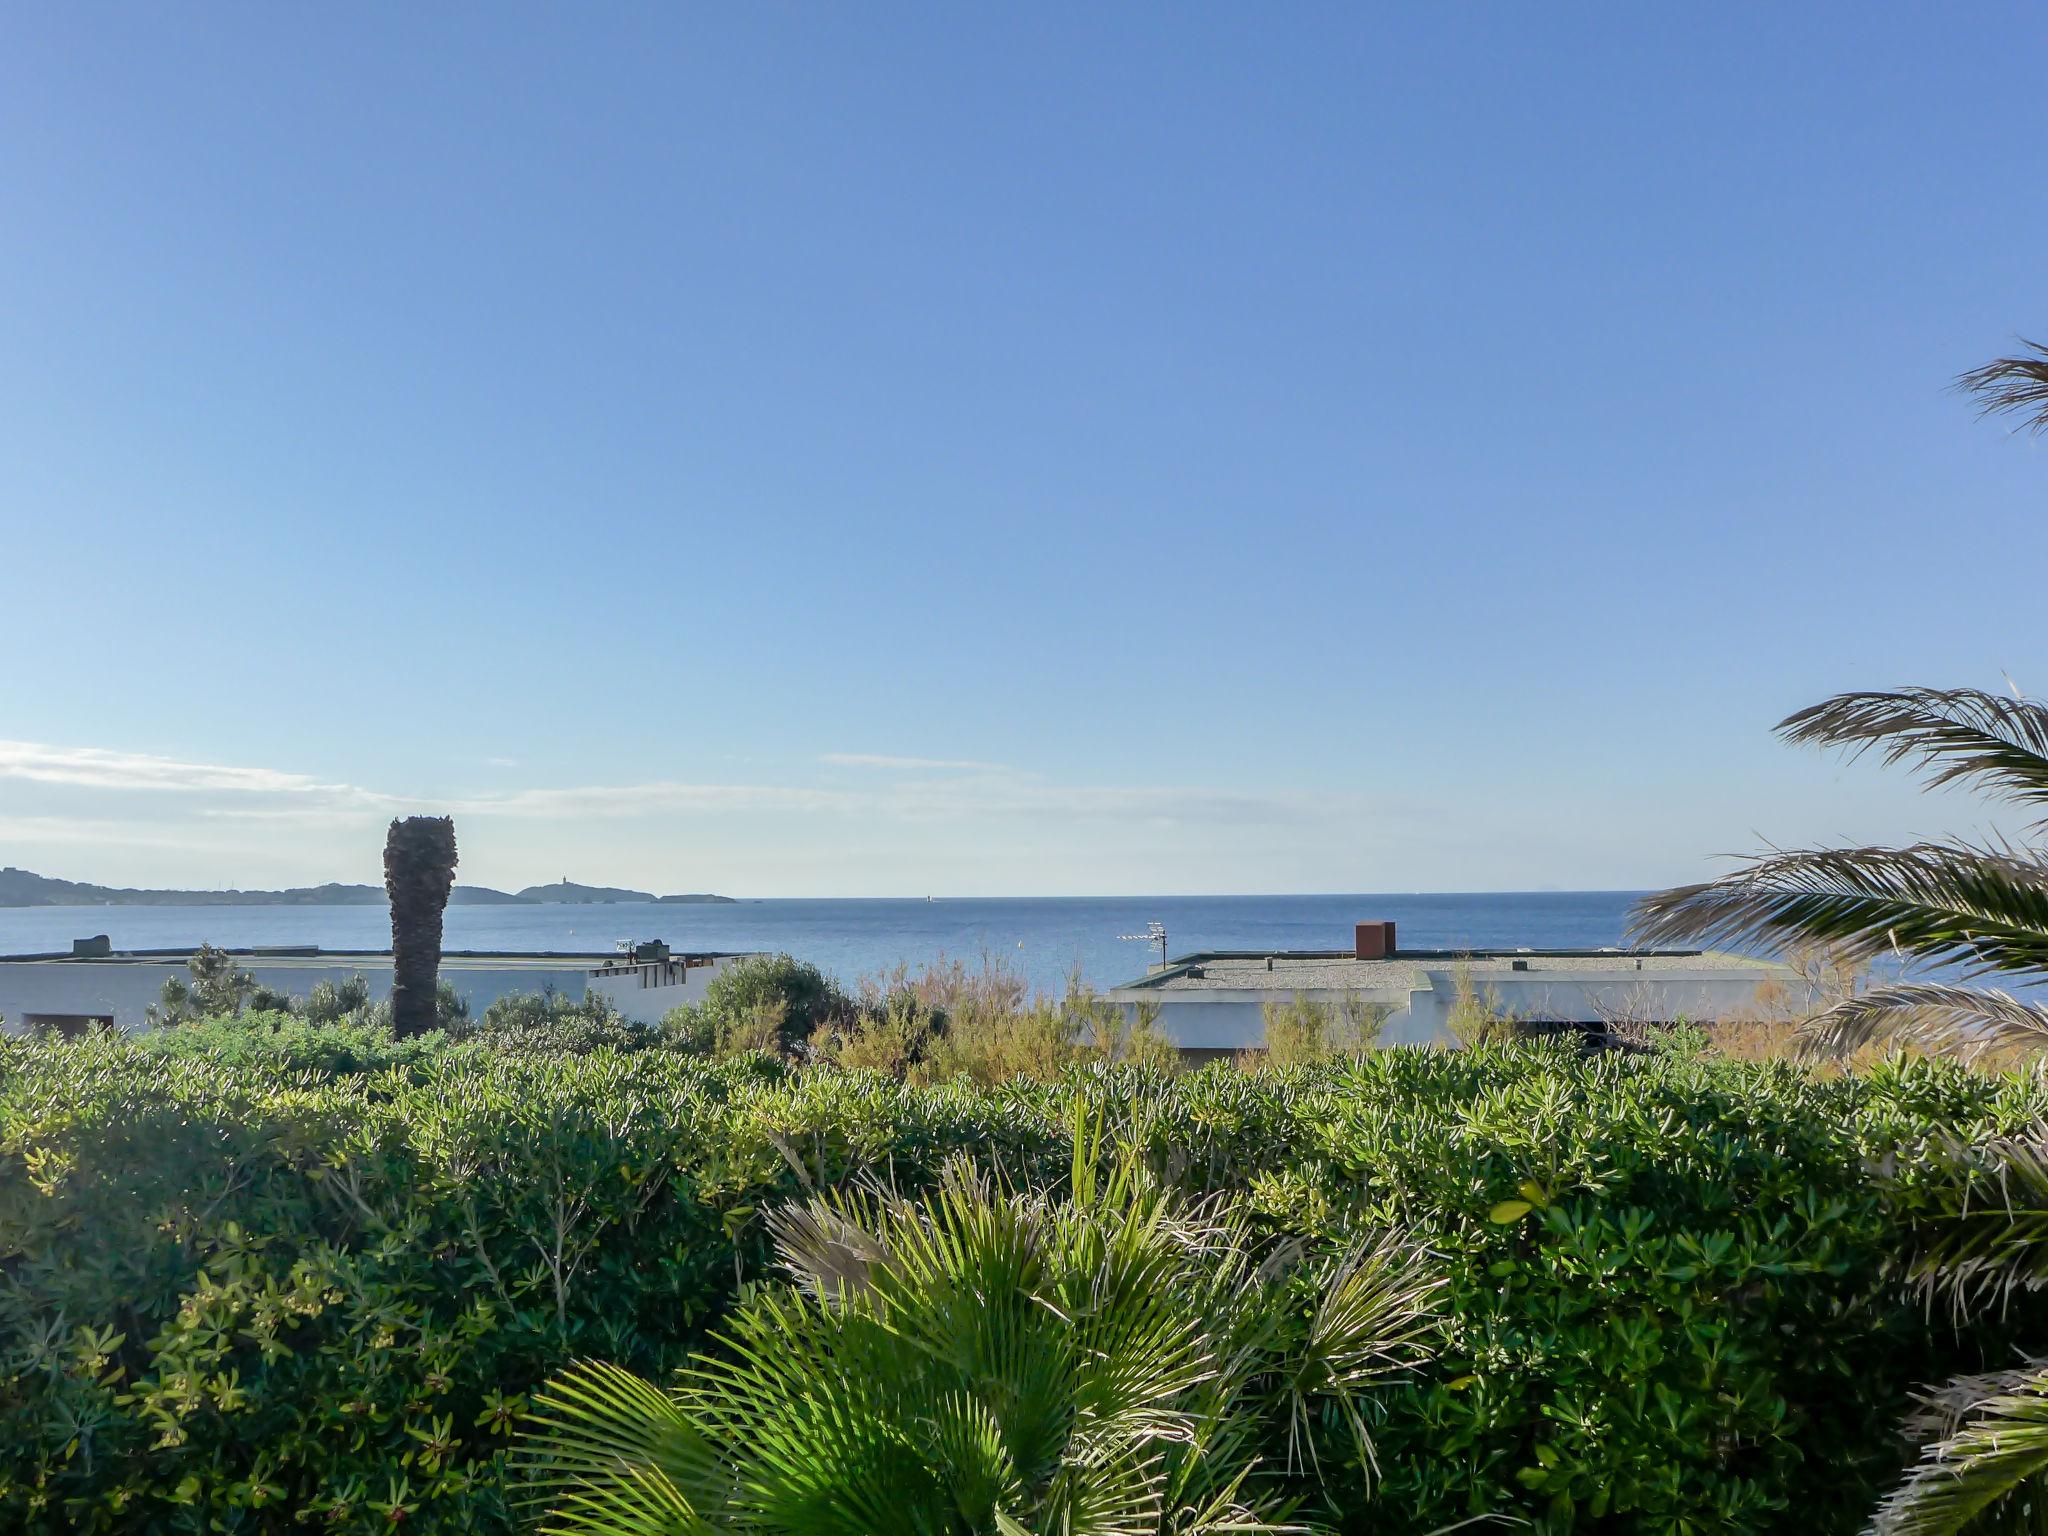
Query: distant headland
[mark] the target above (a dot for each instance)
(20, 888)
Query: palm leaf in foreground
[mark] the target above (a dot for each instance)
(1980, 1223)
(1957, 735)
(2015, 386)
(612, 1455)
(1985, 1473)
(1947, 1020)
(1986, 908)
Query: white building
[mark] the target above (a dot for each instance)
(94, 986)
(644, 990)
(1215, 1001)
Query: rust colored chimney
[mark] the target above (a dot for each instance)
(1374, 941)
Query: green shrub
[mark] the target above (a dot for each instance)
(547, 1022)
(268, 1275)
(217, 986)
(352, 1043)
(1305, 1030)
(330, 1001)
(771, 1003)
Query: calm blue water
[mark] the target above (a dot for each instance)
(1043, 938)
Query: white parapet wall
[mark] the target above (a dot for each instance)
(645, 991)
(1217, 1002)
(1669, 996)
(119, 989)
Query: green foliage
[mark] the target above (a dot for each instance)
(1476, 1017)
(1116, 1358)
(289, 1042)
(236, 1290)
(220, 990)
(770, 1003)
(1979, 909)
(547, 1022)
(1305, 1030)
(250, 1273)
(893, 1033)
(330, 1001)
(949, 1020)
(217, 986)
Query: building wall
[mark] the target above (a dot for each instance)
(1662, 997)
(123, 990)
(646, 993)
(1235, 1019)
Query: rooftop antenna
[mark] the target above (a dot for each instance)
(1155, 933)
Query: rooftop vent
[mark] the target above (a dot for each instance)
(1374, 941)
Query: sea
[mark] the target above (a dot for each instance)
(1046, 940)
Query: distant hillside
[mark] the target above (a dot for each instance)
(569, 893)
(701, 897)
(21, 888)
(476, 896)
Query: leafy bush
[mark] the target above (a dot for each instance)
(1305, 1029)
(547, 1022)
(950, 1021)
(242, 1283)
(219, 989)
(216, 986)
(287, 1042)
(771, 1003)
(331, 1001)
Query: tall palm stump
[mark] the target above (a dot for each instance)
(419, 871)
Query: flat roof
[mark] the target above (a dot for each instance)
(1407, 970)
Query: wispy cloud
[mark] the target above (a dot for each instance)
(904, 791)
(967, 787)
(96, 831)
(915, 764)
(646, 799)
(101, 768)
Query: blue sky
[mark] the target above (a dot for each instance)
(879, 450)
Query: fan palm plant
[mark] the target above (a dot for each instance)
(991, 1360)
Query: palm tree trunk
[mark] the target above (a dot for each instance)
(419, 870)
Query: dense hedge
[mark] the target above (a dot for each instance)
(300, 1288)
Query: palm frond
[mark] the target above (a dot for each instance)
(1944, 1409)
(1956, 734)
(613, 1455)
(2013, 385)
(1944, 1019)
(826, 1247)
(1373, 1318)
(1983, 1475)
(1984, 907)
(1981, 1229)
